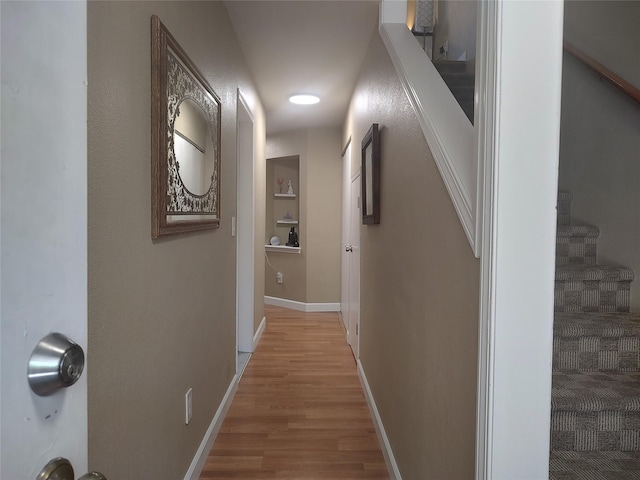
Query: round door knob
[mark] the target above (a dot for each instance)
(57, 469)
(93, 476)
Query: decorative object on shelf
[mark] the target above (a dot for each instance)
(290, 189)
(185, 160)
(287, 215)
(275, 240)
(371, 176)
(280, 182)
(293, 238)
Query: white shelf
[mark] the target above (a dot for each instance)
(287, 222)
(281, 249)
(284, 195)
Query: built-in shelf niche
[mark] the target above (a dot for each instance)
(282, 207)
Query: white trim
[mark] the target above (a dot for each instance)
(487, 88)
(245, 225)
(389, 459)
(259, 331)
(393, 11)
(446, 128)
(521, 182)
(281, 249)
(212, 432)
(301, 306)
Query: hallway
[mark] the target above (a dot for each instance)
(299, 412)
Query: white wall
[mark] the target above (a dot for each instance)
(44, 226)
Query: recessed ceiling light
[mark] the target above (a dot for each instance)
(304, 99)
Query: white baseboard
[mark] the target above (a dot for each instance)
(258, 334)
(389, 459)
(212, 432)
(301, 306)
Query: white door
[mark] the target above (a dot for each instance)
(245, 231)
(43, 232)
(354, 266)
(346, 222)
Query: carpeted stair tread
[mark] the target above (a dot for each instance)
(564, 208)
(607, 325)
(576, 244)
(596, 392)
(589, 231)
(593, 272)
(610, 465)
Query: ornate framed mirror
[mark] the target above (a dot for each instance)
(185, 141)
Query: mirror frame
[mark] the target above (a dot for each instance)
(370, 174)
(166, 185)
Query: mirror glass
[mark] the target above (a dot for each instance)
(193, 147)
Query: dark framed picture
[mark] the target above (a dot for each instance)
(371, 176)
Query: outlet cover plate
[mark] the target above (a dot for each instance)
(188, 406)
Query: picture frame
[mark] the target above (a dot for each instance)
(370, 175)
(185, 141)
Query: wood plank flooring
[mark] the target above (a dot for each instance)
(299, 412)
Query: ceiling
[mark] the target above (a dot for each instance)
(304, 46)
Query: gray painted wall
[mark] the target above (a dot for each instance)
(419, 289)
(600, 132)
(162, 314)
(313, 276)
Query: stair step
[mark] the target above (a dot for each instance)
(592, 288)
(564, 207)
(593, 465)
(596, 342)
(595, 411)
(463, 93)
(576, 244)
(461, 79)
(450, 66)
(594, 273)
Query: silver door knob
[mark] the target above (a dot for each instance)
(56, 362)
(348, 248)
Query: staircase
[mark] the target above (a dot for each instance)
(461, 83)
(595, 404)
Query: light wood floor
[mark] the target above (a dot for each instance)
(299, 412)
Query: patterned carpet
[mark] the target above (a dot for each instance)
(594, 465)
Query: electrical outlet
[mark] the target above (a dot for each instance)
(279, 278)
(188, 406)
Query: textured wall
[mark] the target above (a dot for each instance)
(600, 134)
(457, 24)
(419, 290)
(324, 210)
(316, 271)
(161, 313)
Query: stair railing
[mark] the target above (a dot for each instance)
(611, 77)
